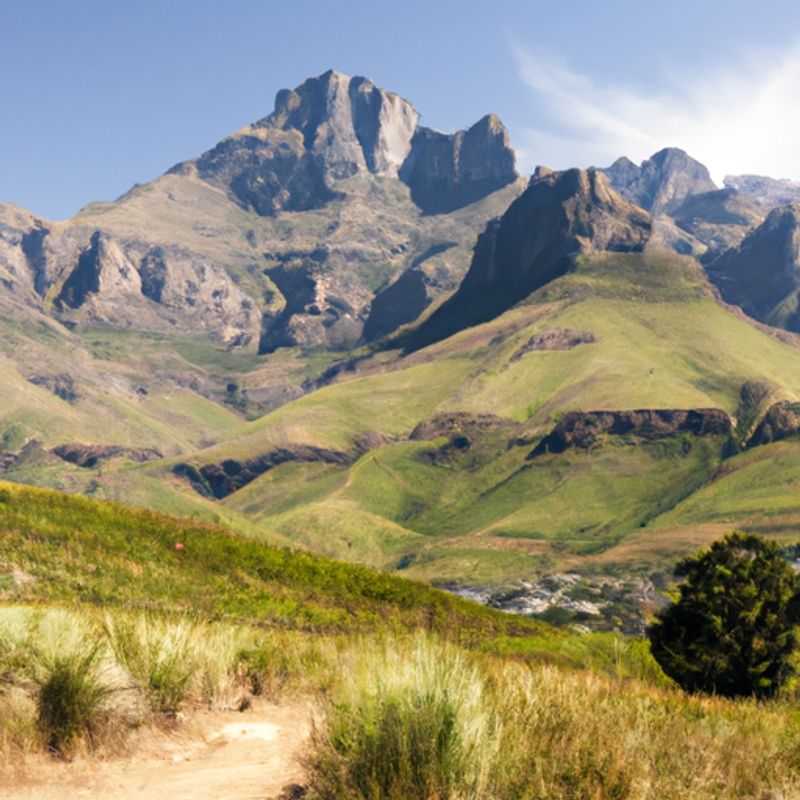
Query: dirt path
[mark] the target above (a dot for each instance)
(222, 756)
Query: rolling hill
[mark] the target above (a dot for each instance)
(593, 426)
(341, 330)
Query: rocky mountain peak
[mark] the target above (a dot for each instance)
(767, 192)
(762, 274)
(349, 123)
(560, 216)
(448, 171)
(662, 181)
(334, 127)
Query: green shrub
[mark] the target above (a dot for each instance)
(405, 727)
(71, 698)
(158, 655)
(731, 632)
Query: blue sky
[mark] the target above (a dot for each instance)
(99, 95)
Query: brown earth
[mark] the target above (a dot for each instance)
(219, 756)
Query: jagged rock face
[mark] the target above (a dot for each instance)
(586, 429)
(135, 285)
(719, 219)
(327, 130)
(23, 254)
(102, 268)
(766, 192)
(446, 172)
(299, 230)
(335, 127)
(560, 216)
(347, 123)
(662, 182)
(762, 275)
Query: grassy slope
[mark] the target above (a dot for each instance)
(77, 549)
(662, 341)
(490, 515)
(116, 559)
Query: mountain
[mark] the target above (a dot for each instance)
(690, 215)
(281, 235)
(762, 274)
(345, 331)
(767, 192)
(560, 216)
(719, 219)
(661, 182)
(601, 416)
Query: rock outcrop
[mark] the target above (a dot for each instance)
(560, 216)
(61, 385)
(762, 274)
(91, 455)
(556, 339)
(460, 422)
(283, 234)
(223, 479)
(447, 172)
(586, 429)
(101, 269)
(781, 421)
(719, 219)
(662, 182)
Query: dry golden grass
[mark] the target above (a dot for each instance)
(422, 720)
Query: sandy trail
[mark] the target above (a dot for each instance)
(221, 756)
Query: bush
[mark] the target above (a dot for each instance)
(405, 727)
(158, 655)
(731, 632)
(71, 698)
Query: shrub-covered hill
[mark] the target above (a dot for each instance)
(58, 549)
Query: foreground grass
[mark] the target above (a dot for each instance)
(84, 679)
(428, 721)
(407, 716)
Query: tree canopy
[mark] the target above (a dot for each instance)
(731, 630)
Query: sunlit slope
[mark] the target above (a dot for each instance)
(658, 339)
(662, 341)
(109, 387)
(58, 549)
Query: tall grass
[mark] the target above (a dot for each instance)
(72, 698)
(158, 655)
(430, 723)
(410, 717)
(70, 678)
(416, 726)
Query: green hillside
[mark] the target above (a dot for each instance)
(98, 606)
(638, 331)
(489, 512)
(59, 549)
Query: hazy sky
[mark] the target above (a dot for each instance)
(99, 94)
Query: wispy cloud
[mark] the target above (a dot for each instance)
(742, 118)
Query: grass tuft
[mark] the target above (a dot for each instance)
(72, 697)
(158, 655)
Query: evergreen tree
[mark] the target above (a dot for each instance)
(731, 631)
